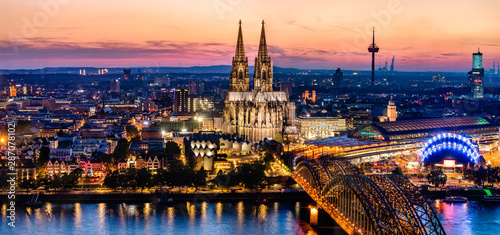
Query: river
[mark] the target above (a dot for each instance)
(212, 218)
(147, 218)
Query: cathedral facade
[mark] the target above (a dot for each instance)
(257, 113)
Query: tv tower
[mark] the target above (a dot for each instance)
(373, 49)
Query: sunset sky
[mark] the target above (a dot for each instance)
(424, 35)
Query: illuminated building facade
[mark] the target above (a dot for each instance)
(180, 100)
(423, 128)
(447, 149)
(320, 127)
(205, 147)
(392, 113)
(259, 113)
(115, 85)
(476, 76)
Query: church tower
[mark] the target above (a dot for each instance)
(263, 75)
(259, 113)
(239, 79)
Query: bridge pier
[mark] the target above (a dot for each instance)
(319, 219)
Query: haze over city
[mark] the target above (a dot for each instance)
(250, 117)
(317, 35)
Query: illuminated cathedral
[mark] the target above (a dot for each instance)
(258, 113)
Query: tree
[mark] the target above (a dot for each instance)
(3, 181)
(493, 175)
(44, 156)
(144, 179)
(122, 150)
(251, 175)
(181, 176)
(420, 176)
(200, 178)
(161, 178)
(130, 178)
(112, 180)
(132, 132)
(482, 161)
(56, 182)
(397, 171)
(226, 180)
(28, 184)
(268, 160)
(437, 178)
(172, 149)
(479, 175)
(71, 180)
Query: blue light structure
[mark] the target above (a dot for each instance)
(458, 144)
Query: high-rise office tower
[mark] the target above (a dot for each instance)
(192, 87)
(338, 77)
(180, 100)
(200, 88)
(115, 85)
(373, 49)
(127, 73)
(476, 76)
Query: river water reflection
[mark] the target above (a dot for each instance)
(212, 218)
(473, 217)
(146, 218)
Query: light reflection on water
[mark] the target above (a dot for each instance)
(473, 217)
(146, 218)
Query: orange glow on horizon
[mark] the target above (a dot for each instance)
(423, 35)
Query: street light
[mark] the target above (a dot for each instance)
(200, 119)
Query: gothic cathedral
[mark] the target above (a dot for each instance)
(258, 113)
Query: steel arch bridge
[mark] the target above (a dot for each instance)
(366, 204)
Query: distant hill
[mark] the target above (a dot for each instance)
(216, 69)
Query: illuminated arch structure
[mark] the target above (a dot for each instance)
(368, 204)
(449, 146)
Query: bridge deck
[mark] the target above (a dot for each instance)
(339, 219)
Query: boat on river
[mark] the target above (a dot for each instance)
(455, 199)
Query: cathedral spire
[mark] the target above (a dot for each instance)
(239, 78)
(262, 54)
(240, 49)
(263, 75)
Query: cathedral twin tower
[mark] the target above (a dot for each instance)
(263, 75)
(261, 112)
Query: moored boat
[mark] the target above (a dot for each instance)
(456, 199)
(34, 202)
(491, 198)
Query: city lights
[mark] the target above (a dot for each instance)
(450, 141)
(357, 119)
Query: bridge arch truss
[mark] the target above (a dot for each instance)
(367, 204)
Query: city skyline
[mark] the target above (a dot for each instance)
(320, 35)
